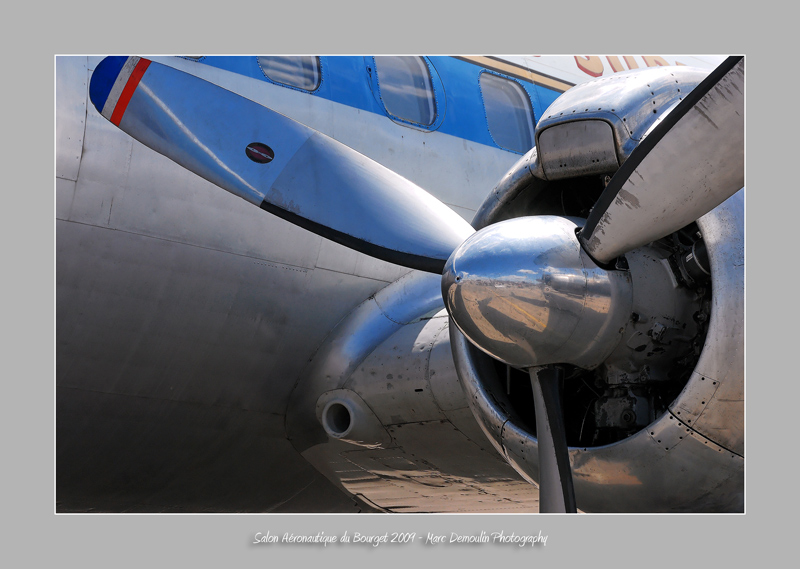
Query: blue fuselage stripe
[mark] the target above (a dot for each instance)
(345, 80)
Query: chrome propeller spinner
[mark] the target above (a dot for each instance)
(526, 293)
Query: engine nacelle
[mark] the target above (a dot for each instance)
(659, 426)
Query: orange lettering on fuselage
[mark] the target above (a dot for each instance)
(615, 63)
(590, 64)
(593, 65)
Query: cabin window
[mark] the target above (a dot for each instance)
(406, 89)
(508, 111)
(300, 72)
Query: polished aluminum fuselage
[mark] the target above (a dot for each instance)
(185, 316)
(201, 342)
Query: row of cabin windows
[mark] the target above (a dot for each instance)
(407, 92)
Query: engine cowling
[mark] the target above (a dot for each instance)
(658, 424)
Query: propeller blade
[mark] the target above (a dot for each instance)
(556, 490)
(687, 165)
(276, 163)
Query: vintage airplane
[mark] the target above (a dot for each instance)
(361, 346)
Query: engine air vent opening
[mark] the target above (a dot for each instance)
(336, 419)
(571, 197)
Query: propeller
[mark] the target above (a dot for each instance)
(276, 163)
(691, 162)
(531, 291)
